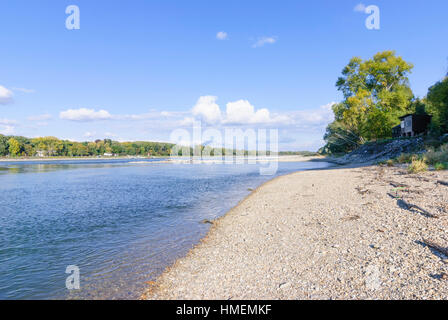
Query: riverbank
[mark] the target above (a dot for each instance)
(288, 158)
(51, 159)
(343, 233)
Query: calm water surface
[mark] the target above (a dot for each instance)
(120, 222)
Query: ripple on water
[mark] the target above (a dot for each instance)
(120, 223)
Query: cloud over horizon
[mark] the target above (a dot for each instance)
(207, 110)
(6, 96)
(237, 113)
(84, 114)
(298, 128)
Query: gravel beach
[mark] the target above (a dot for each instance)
(343, 233)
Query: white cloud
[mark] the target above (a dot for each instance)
(153, 114)
(316, 119)
(186, 122)
(222, 35)
(24, 90)
(7, 122)
(206, 109)
(6, 130)
(6, 96)
(297, 127)
(40, 117)
(84, 114)
(242, 112)
(360, 7)
(264, 40)
(7, 127)
(237, 112)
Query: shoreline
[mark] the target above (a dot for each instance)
(73, 159)
(167, 159)
(270, 245)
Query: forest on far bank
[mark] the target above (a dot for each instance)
(17, 146)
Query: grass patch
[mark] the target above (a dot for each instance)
(390, 163)
(417, 165)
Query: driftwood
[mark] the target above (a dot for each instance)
(409, 206)
(442, 182)
(351, 218)
(436, 247)
(398, 185)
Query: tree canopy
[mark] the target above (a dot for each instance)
(437, 106)
(376, 92)
(16, 146)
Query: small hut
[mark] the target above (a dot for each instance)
(412, 125)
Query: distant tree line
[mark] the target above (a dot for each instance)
(376, 93)
(17, 146)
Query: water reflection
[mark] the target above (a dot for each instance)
(15, 167)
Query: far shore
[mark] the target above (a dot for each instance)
(360, 232)
(280, 158)
(73, 159)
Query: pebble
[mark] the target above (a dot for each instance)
(282, 248)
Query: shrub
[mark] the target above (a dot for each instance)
(441, 166)
(405, 158)
(432, 143)
(437, 156)
(390, 163)
(417, 165)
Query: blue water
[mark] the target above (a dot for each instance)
(120, 222)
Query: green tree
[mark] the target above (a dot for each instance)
(91, 148)
(14, 147)
(29, 150)
(3, 145)
(437, 105)
(376, 92)
(340, 138)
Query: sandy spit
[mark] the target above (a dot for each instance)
(355, 233)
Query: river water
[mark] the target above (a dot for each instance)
(120, 222)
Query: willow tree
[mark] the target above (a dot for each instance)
(376, 92)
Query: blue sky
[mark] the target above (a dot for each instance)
(139, 69)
